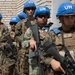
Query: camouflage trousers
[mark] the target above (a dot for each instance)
(8, 67)
(1, 63)
(33, 67)
(23, 64)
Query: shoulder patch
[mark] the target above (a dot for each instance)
(56, 30)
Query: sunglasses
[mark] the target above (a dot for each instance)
(30, 9)
(41, 16)
(13, 23)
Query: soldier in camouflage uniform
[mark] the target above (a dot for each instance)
(3, 30)
(9, 49)
(66, 16)
(21, 27)
(29, 8)
(42, 13)
(67, 19)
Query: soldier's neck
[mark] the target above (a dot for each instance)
(66, 29)
(31, 18)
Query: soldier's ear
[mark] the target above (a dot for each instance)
(60, 18)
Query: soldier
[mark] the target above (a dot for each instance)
(21, 27)
(29, 8)
(3, 30)
(3, 27)
(42, 13)
(67, 19)
(9, 48)
(13, 21)
(66, 16)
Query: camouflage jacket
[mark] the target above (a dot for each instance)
(44, 36)
(21, 28)
(8, 40)
(3, 29)
(68, 38)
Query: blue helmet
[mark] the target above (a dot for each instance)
(15, 19)
(42, 10)
(0, 16)
(29, 3)
(22, 15)
(66, 9)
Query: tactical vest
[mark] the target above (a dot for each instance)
(21, 28)
(42, 35)
(69, 39)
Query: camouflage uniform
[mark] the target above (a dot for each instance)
(44, 36)
(3, 30)
(9, 61)
(57, 39)
(21, 28)
(69, 41)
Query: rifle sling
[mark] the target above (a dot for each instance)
(25, 25)
(35, 32)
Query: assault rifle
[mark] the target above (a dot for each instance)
(67, 64)
(67, 61)
(36, 53)
(10, 50)
(34, 29)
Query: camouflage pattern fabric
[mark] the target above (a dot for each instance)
(20, 30)
(69, 42)
(3, 30)
(44, 36)
(9, 62)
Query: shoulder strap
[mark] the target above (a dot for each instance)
(23, 27)
(35, 32)
(26, 24)
(56, 30)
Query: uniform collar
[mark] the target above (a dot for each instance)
(71, 30)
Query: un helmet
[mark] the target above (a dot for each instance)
(0, 16)
(66, 8)
(42, 10)
(14, 19)
(22, 15)
(29, 3)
